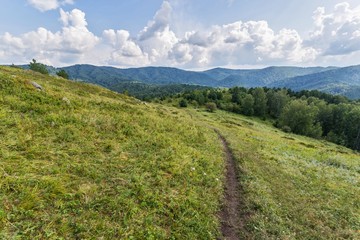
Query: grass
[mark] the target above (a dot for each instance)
(294, 187)
(81, 162)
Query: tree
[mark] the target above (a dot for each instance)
(352, 129)
(277, 101)
(38, 67)
(183, 103)
(301, 119)
(260, 101)
(62, 73)
(247, 105)
(236, 94)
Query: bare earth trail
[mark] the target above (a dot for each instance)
(232, 223)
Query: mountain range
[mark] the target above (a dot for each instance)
(334, 80)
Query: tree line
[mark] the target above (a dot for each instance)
(310, 113)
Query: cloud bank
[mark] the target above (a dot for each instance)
(335, 34)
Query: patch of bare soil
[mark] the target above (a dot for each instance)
(232, 222)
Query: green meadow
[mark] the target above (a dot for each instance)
(293, 187)
(78, 161)
(81, 162)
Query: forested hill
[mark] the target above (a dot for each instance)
(108, 76)
(344, 81)
(260, 77)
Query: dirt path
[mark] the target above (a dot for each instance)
(230, 216)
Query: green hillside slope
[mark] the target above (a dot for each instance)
(293, 187)
(81, 162)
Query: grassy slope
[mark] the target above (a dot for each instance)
(109, 166)
(104, 166)
(294, 187)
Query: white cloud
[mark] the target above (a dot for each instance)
(122, 49)
(157, 39)
(75, 18)
(336, 33)
(241, 43)
(73, 41)
(46, 5)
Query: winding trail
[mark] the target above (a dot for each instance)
(230, 216)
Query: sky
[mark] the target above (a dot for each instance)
(188, 34)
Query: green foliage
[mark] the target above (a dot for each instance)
(277, 100)
(260, 102)
(183, 103)
(300, 117)
(62, 73)
(247, 105)
(149, 92)
(38, 67)
(310, 113)
(211, 106)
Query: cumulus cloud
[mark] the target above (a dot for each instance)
(338, 32)
(157, 39)
(239, 43)
(46, 5)
(123, 50)
(71, 42)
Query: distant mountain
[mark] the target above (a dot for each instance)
(263, 77)
(222, 73)
(109, 76)
(104, 76)
(344, 81)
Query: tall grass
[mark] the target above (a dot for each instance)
(81, 162)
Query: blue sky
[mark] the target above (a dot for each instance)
(191, 34)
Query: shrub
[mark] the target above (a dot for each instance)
(38, 67)
(183, 103)
(211, 106)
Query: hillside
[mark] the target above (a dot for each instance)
(292, 187)
(81, 162)
(217, 77)
(263, 77)
(108, 76)
(342, 81)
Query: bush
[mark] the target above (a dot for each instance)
(210, 106)
(183, 103)
(38, 67)
(62, 73)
